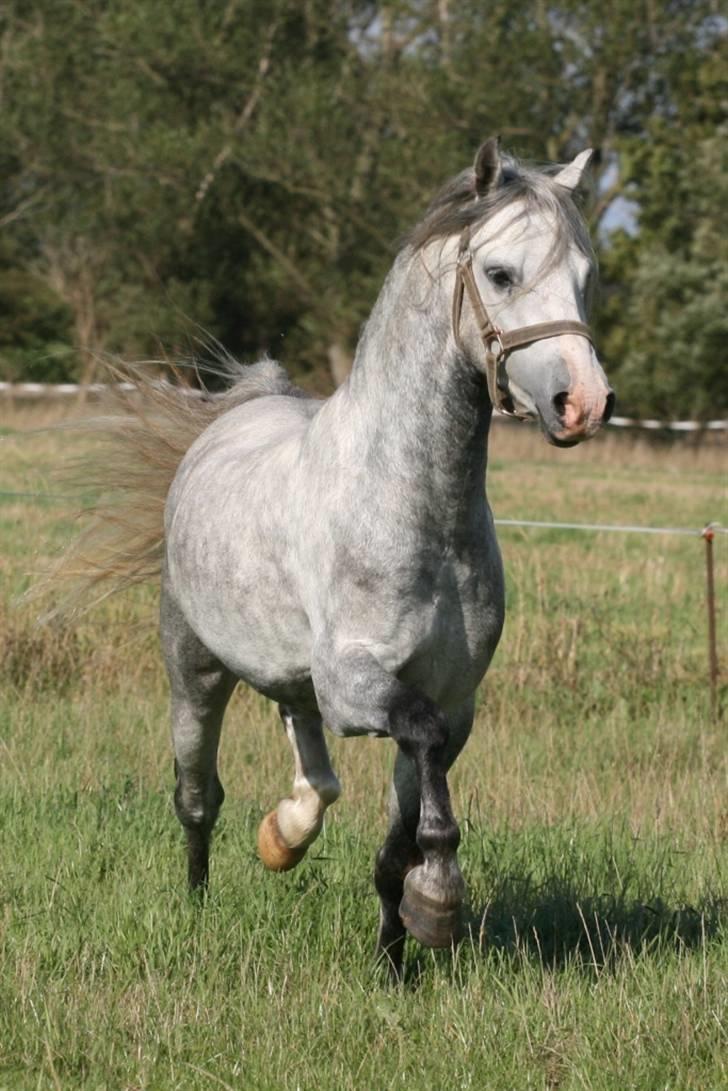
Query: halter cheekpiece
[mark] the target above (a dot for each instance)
(490, 333)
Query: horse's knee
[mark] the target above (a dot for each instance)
(197, 808)
(419, 726)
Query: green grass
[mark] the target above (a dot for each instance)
(592, 799)
(595, 960)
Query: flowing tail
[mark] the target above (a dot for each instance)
(141, 444)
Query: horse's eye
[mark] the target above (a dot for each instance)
(500, 278)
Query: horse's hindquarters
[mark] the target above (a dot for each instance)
(231, 552)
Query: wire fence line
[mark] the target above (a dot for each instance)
(69, 390)
(37, 495)
(692, 532)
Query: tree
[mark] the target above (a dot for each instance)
(247, 168)
(665, 320)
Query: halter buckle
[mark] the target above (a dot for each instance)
(464, 259)
(497, 333)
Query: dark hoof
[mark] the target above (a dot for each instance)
(432, 923)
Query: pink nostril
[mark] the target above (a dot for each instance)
(576, 415)
(570, 414)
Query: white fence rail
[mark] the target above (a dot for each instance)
(29, 391)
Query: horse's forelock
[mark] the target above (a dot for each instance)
(456, 207)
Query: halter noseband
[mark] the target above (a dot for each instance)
(506, 340)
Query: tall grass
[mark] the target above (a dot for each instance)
(592, 798)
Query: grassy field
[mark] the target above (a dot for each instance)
(592, 797)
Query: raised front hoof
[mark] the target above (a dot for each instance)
(273, 850)
(433, 923)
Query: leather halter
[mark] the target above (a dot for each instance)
(506, 340)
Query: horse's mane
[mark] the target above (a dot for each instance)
(528, 188)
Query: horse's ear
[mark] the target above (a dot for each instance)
(571, 176)
(488, 167)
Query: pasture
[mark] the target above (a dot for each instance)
(592, 797)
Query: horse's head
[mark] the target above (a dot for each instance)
(524, 275)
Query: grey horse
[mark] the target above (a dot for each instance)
(339, 555)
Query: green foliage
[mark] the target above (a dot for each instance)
(665, 325)
(247, 169)
(35, 329)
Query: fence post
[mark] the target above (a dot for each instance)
(709, 534)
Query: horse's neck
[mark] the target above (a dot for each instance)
(421, 413)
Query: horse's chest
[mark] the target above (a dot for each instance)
(459, 638)
(439, 631)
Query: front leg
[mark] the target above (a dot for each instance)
(396, 858)
(356, 694)
(433, 890)
(400, 854)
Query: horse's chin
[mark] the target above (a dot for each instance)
(565, 437)
(556, 441)
(557, 433)
(553, 430)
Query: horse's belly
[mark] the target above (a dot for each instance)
(252, 621)
(272, 657)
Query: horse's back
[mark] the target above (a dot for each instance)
(242, 433)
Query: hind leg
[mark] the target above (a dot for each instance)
(286, 833)
(200, 690)
(400, 853)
